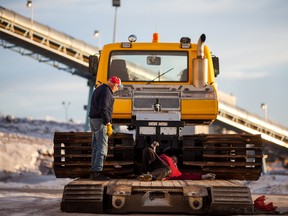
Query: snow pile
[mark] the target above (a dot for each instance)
(26, 145)
(21, 153)
(36, 128)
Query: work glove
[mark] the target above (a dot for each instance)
(109, 130)
(209, 176)
(154, 145)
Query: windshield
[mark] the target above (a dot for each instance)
(149, 66)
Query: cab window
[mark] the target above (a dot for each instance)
(149, 66)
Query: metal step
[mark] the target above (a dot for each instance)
(231, 199)
(87, 198)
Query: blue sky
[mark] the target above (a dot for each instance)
(249, 37)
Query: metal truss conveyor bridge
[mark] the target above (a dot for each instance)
(45, 44)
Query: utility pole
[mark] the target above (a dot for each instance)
(30, 5)
(98, 36)
(66, 106)
(116, 4)
(265, 108)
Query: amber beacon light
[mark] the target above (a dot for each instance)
(156, 38)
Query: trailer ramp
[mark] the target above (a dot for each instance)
(171, 196)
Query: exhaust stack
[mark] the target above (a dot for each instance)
(200, 65)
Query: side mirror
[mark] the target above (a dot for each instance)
(93, 64)
(153, 60)
(215, 61)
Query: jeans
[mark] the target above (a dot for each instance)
(99, 144)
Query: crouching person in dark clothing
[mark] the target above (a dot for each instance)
(163, 167)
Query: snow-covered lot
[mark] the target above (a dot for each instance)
(29, 187)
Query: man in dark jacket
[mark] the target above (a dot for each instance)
(100, 122)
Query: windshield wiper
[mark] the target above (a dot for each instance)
(160, 75)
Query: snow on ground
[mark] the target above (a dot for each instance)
(26, 160)
(269, 184)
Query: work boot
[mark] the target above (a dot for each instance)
(145, 177)
(98, 176)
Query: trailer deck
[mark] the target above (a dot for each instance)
(170, 196)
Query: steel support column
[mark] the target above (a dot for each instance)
(91, 88)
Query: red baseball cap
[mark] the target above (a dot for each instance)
(116, 80)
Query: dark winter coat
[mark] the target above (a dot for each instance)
(102, 102)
